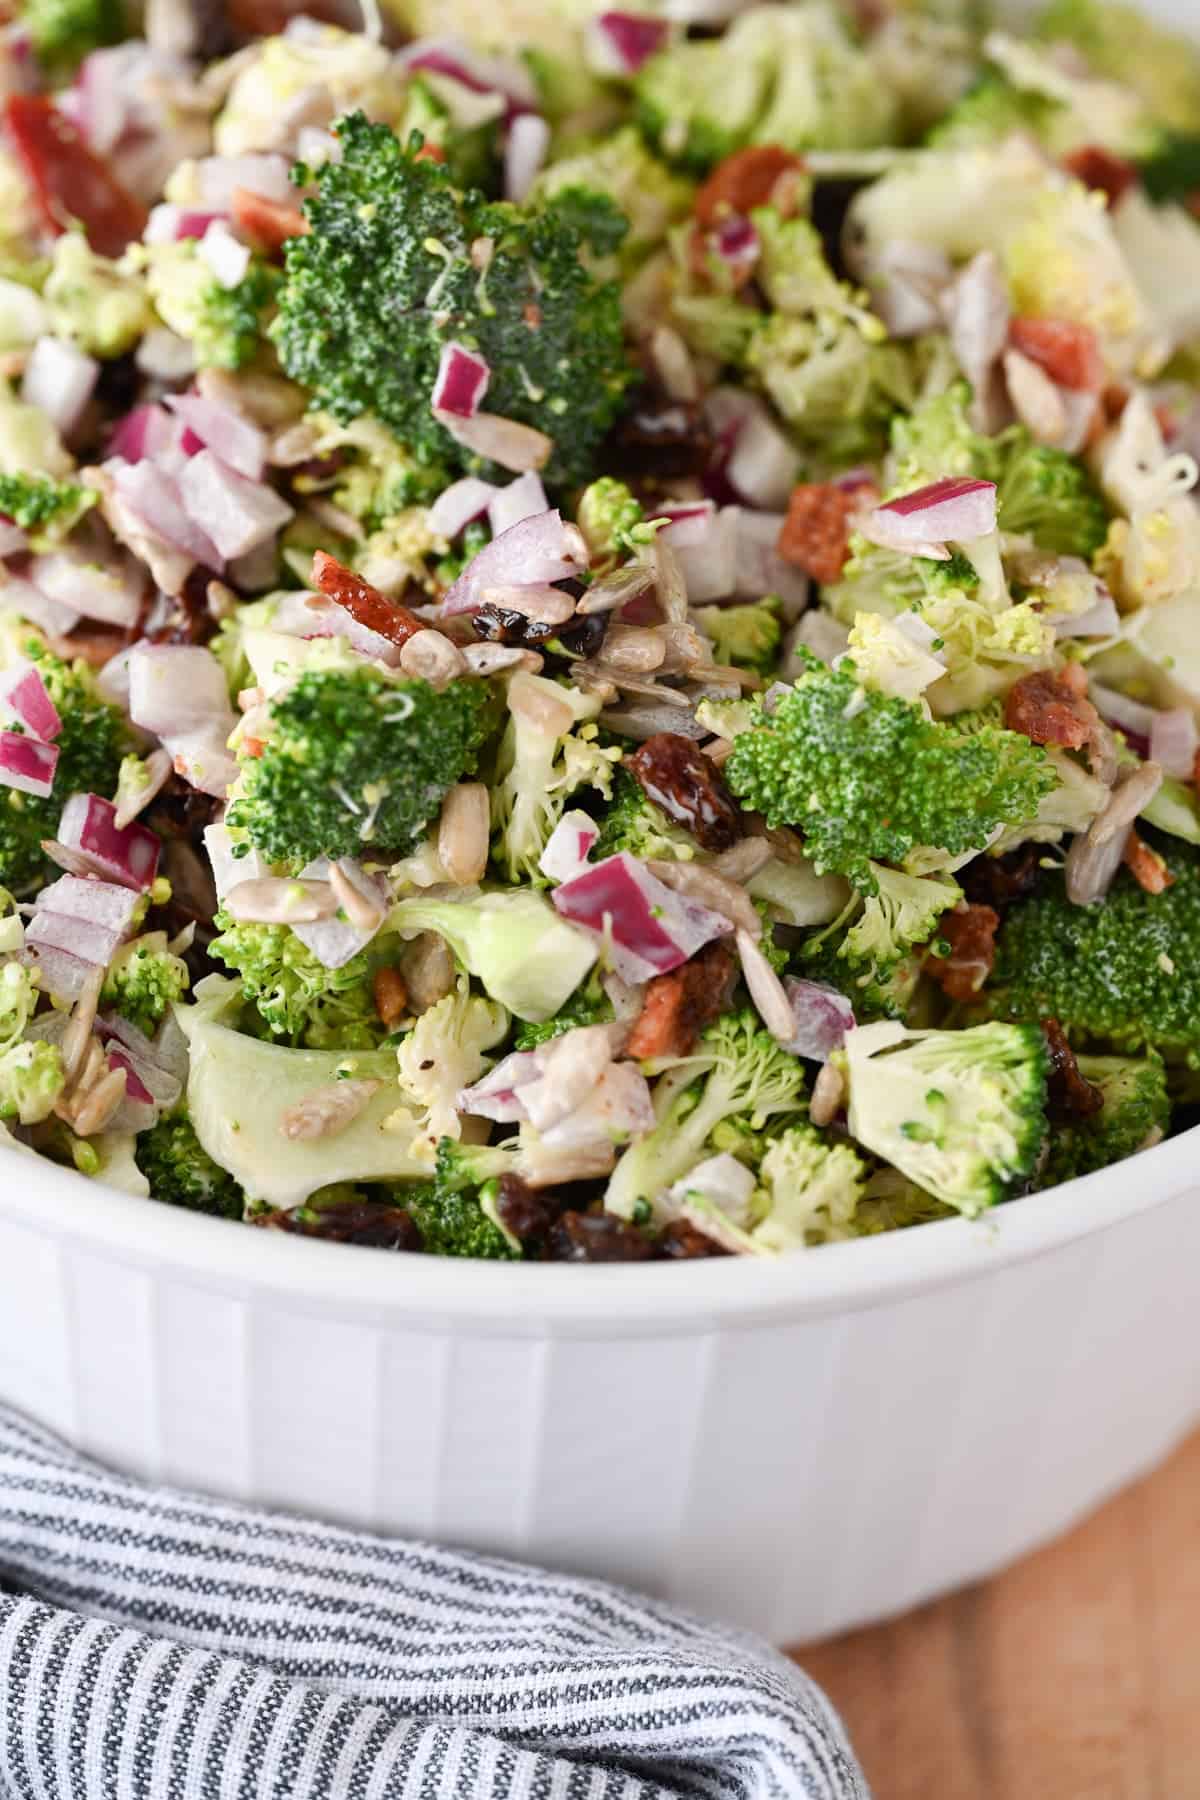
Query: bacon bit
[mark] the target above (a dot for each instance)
(743, 181)
(1196, 770)
(1146, 866)
(389, 990)
(364, 602)
(269, 222)
(1069, 353)
(430, 153)
(816, 532)
(678, 1006)
(252, 746)
(970, 931)
(1101, 171)
(1048, 708)
(531, 313)
(68, 180)
(1070, 1094)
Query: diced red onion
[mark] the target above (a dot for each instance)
(956, 510)
(690, 523)
(145, 431)
(1100, 620)
(723, 1180)
(461, 503)
(758, 568)
(978, 314)
(165, 356)
(24, 697)
(1174, 741)
(155, 499)
(505, 441)
(83, 897)
(176, 688)
(539, 549)
(127, 855)
(84, 938)
(218, 176)
(172, 224)
(59, 380)
(202, 756)
(619, 1107)
(710, 566)
(907, 280)
(314, 616)
(21, 597)
(763, 465)
(461, 381)
(1118, 709)
(135, 1087)
(651, 928)
(496, 1096)
(225, 255)
(63, 974)
(237, 514)
(618, 43)
(823, 1017)
(27, 765)
(112, 593)
(569, 846)
(335, 941)
(484, 74)
(228, 869)
(13, 541)
(521, 499)
(227, 433)
(524, 153)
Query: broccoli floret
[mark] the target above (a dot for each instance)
(377, 479)
(650, 196)
(1136, 1110)
(610, 518)
(469, 153)
(991, 111)
(589, 1005)
(1173, 171)
(961, 1113)
(142, 982)
(31, 1079)
(1048, 496)
(298, 999)
(64, 31)
(1122, 43)
(397, 264)
(101, 305)
(223, 325)
(836, 389)
(868, 778)
(697, 102)
(445, 1052)
(548, 752)
(900, 911)
(46, 508)
(748, 637)
(811, 1188)
(353, 758)
(512, 941)
(739, 1073)
(90, 746)
(633, 823)
(1124, 973)
(453, 1213)
(181, 1172)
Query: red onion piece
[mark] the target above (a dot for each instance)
(218, 176)
(177, 688)
(26, 765)
(172, 224)
(84, 938)
(763, 465)
(956, 510)
(618, 43)
(13, 540)
(59, 380)
(1174, 741)
(128, 856)
(237, 514)
(823, 1017)
(690, 524)
(135, 1088)
(618, 1107)
(524, 153)
(24, 697)
(100, 902)
(539, 549)
(758, 568)
(652, 929)
(521, 499)
(737, 243)
(461, 381)
(63, 975)
(315, 616)
(505, 441)
(1100, 620)
(710, 567)
(228, 869)
(228, 434)
(202, 756)
(106, 591)
(146, 431)
(154, 498)
(31, 603)
(461, 504)
(483, 74)
(569, 846)
(496, 1096)
(1115, 708)
(227, 257)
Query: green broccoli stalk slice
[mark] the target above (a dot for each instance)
(1123, 974)
(737, 1073)
(868, 778)
(143, 980)
(1135, 1114)
(46, 508)
(589, 1005)
(961, 1113)
(353, 758)
(297, 998)
(747, 636)
(182, 1173)
(397, 263)
(512, 941)
(455, 1212)
(63, 32)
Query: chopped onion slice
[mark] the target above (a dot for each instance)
(1174, 741)
(723, 1181)
(1100, 620)
(485, 74)
(218, 177)
(106, 591)
(146, 431)
(539, 549)
(26, 765)
(690, 523)
(957, 510)
(758, 568)
(524, 153)
(461, 381)
(1118, 709)
(85, 938)
(618, 43)
(225, 255)
(63, 974)
(176, 688)
(228, 869)
(710, 567)
(823, 1017)
(569, 846)
(763, 466)
(153, 498)
(24, 697)
(227, 432)
(505, 441)
(202, 757)
(650, 929)
(521, 499)
(462, 503)
(237, 514)
(59, 380)
(127, 855)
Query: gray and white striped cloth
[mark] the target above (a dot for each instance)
(162, 1646)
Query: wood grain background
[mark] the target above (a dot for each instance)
(1075, 1676)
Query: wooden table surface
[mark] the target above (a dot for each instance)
(1075, 1676)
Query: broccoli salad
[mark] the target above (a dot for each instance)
(599, 613)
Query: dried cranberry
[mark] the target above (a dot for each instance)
(596, 1237)
(1070, 1095)
(682, 782)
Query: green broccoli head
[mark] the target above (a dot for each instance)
(353, 758)
(900, 912)
(397, 263)
(990, 111)
(835, 388)
(46, 508)
(90, 746)
(455, 1212)
(181, 1172)
(64, 31)
(961, 1113)
(1048, 496)
(644, 191)
(812, 1188)
(1136, 1112)
(297, 998)
(867, 778)
(633, 823)
(31, 1079)
(611, 519)
(1124, 973)
(142, 982)
(223, 325)
(549, 751)
(747, 636)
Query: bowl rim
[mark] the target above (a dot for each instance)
(526, 1299)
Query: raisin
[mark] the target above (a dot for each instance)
(389, 990)
(681, 1242)
(682, 782)
(1070, 1094)
(1101, 171)
(1000, 881)
(371, 1223)
(584, 637)
(527, 1212)
(596, 1237)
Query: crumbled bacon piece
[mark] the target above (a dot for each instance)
(364, 602)
(1101, 171)
(270, 223)
(1069, 353)
(970, 931)
(816, 532)
(389, 990)
(1146, 866)
(743, 181)
(1070, 1094)
(1050, 709)
(677, 1007)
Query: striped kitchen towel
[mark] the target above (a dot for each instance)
(162, 1646)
